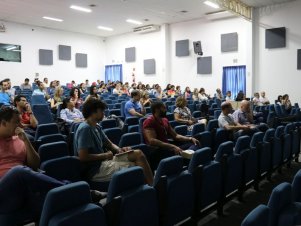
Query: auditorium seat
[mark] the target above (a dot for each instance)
(260, 216)
(130, 201)
(175, 190)
(70, 205)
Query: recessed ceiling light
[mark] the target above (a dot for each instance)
(212, 4)
(184, 11)
(105, 28)
(52, 18)
(133, 21)
(79, 8)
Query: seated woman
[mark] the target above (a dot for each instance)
(195, 94)
(117, 90)
(145, 100)
(51, 88)
(75, 98)
(183, 115)
(57, 99)
(287, 103)
(256, 101)
(69, 113)
(187, 92)
(125, 90)
(103, 89)
(219, 94)
(82, 88)
(240, 96)
(202, 95)
(159, 93)
(93, 93)
(171, 92)
(178, 90)
(279, 100)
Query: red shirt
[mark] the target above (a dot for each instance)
(12, 153)
(25, 118)
(162, 128)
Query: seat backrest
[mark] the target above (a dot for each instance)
(257, 217)
(200, 157)
(61, 208)
(296, 186)
(116, 112)
(198, 128)
(64, 168)
(122, 108)
(256, 138)
(42, 113)
(197, 114)
(269, 134)
(212, 124)
(124, 180)
(280, 198)
(288, 128)
(169, 166)
(53, 150)
(170, 116)
(279, 132)
(130, 139)
(38, 99)
(114, 134)
(217, 113)
(131, 121)
(46, 129)
(108, 123)
(205, 138)
(225, 148)
(278, 110)
(242, 143)
(181, 129)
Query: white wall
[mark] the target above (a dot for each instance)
(32, 39)
(184, 69)
(276, 69)
(148, 46)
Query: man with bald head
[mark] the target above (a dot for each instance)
(244, 116)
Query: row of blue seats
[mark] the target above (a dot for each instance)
(226, 168)
(283, 208)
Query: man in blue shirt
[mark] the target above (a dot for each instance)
(133, 107)
(100, 157)
(4, 96)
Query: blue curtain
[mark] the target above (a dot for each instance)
(234, 80)
(113, 73)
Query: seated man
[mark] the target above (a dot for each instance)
(227, 122)
(4, 96)
(69, 113)
(20, 186)
(28, 120)
(157, 130)
(97, 152)
(40, 90)
(263, 100)
(133, 107)
(244, 116)
(25, 85)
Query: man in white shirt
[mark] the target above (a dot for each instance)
(263, 99)
(45, 82)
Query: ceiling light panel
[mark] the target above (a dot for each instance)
(105, 28)
(134, 21)
(211, 4)
(52, 18)
(82, 9)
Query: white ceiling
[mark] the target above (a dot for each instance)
(109, 13)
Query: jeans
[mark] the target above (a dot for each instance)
(22, 188)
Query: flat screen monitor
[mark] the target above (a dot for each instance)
(10, 52)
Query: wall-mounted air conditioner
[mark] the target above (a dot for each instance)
(146, 29)
(219, 15)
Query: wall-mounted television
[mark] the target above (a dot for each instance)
(10, 52)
